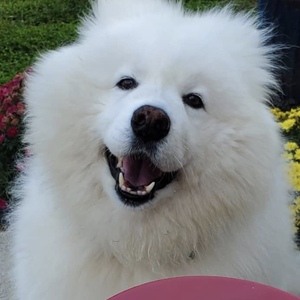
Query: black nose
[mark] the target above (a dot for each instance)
(150, 123)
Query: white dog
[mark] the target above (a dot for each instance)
(154, 155)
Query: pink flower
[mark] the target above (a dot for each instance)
(20, 166)
(20, 108)
(27, 151)
(14, 121)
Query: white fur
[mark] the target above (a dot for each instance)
(73, 238)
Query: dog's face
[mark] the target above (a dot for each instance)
(157, 110)
(173, 95)
(154, 113)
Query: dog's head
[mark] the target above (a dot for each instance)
(157, 107)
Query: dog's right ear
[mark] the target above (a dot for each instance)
(108, 12)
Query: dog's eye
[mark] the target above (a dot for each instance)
(193, 100)
(127, 83)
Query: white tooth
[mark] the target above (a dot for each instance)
(133, 192)
(141, 193)
(149, 187)
(120, 160)
(121, 180)
(128, 189)
(123, 188)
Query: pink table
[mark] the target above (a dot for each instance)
(203, 287)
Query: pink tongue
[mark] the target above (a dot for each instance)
(139, 171)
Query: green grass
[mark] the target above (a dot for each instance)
(29, 27)
(239, 4)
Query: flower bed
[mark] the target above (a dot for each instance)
(12, 110)
(289, 121)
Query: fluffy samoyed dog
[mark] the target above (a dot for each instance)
(153, 155)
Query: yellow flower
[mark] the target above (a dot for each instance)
(295, 208)
(294, 175)
(297, 154)
(296, 204)
(289, 120)
(279, 115)
(288, 124)
(288, 156)
(290, 146)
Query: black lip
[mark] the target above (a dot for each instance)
(130, 199)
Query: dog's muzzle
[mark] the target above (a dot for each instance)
(137, 177)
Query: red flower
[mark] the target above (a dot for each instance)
(3, 204)
(3, 119)
(3, 122)
(12, 132)
(2, 138)
(4, 92)
(12, 109)
(2, 127)
(6, 103)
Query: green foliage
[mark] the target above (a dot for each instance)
(37, 12)
(30, 27)
(203, 4)
(20, 46)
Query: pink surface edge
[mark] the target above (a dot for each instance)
(210, 287)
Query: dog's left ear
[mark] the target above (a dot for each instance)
(108, 12)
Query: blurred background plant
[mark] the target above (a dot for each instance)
(30, 27)
(289, 122)
(12, 111)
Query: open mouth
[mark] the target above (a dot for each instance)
(137, 178)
